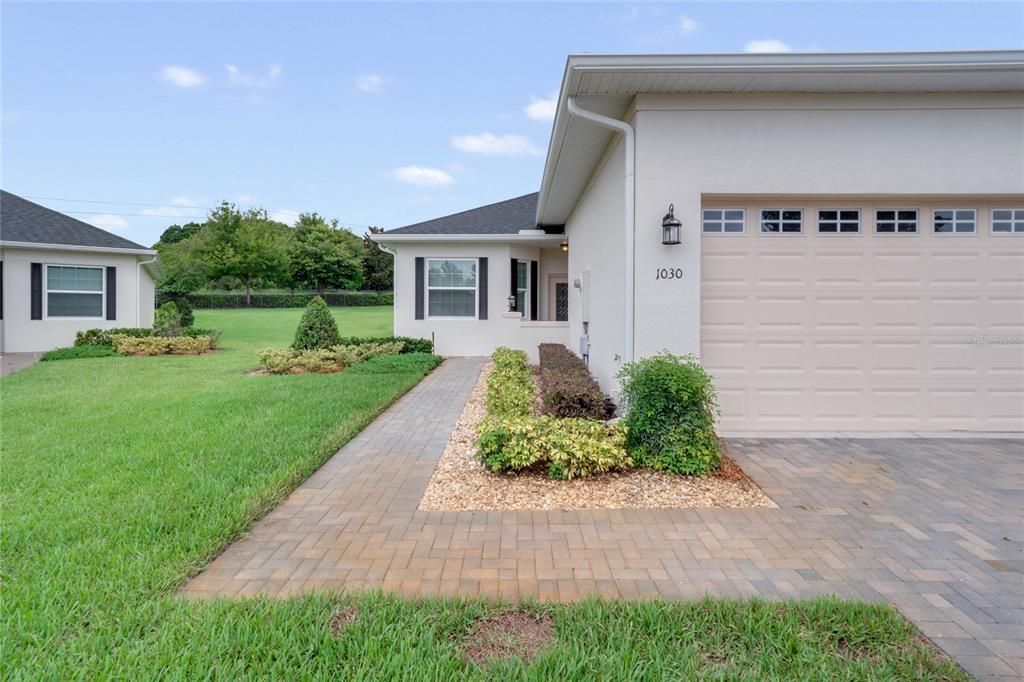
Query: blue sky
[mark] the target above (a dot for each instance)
(381, 114)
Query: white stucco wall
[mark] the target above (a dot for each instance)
(20, 333)
(694, 145)
(596, 244)
(471, 336)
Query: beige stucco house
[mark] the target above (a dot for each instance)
(59, 276)
(851, 249)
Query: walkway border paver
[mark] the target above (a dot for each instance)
(934, 527)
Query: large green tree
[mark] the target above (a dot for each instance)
(323, 255)
(244, 245)
(378, 266)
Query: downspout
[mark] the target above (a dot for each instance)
(138, 289)
(629, 141)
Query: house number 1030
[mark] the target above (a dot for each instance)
(669, 273)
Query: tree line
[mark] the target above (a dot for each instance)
(236, 249)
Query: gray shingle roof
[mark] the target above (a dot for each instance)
(504, 217)
(24, 221)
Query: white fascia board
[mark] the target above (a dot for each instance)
(513, 238)
(76, 247)
(576, 65)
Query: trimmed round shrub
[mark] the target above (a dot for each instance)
(669, 413)
(317, 328)
(167, 320)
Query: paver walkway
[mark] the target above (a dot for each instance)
(935, 527)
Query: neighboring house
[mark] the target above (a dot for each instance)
(851, 249)
(60, 276)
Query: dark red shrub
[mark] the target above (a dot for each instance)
(567, 388)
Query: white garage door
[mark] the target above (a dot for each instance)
(849, 325)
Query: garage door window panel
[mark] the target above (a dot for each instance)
(724, 220)
(782, 220)
(839, 221)
(896, 221)
(1008, 221)
(955, 221)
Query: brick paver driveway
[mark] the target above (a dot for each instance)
(933, 526)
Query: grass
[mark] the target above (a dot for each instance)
(123, 476)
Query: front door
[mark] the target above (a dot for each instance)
(558, 304)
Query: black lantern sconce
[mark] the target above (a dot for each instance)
(670, 227)
(511, 303)
(564, 246)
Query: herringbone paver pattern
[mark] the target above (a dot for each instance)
(935, 527)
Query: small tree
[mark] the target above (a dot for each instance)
(317, 328)
(167, 320)
(378, 266)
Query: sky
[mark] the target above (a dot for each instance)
(135, 116)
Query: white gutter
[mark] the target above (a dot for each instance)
(138, 289)
(385, 248)
(629, 140)
(419, 237)
(74, 247)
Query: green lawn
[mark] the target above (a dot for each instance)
(123, 476)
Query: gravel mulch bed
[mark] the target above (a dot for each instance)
(461, 483)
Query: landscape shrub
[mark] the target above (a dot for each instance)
(317, 328)
(199, 331)
(510, 385)
(103, 337)
(79, 351)
(669, 411)
(411, 344)
(570, 448)
(567, 388)
(167, 320)
(290, 361)
(403, 363)
(162, 345)
(185, 311)
(284, 299)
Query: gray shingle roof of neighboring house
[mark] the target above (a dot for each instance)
(24, 221)
(503, 217)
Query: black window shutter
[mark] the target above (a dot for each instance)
(36, 287)
(419, 288)
(482, 289)
(513, 287)
(111, 293)
(1, 290)
(534, 308)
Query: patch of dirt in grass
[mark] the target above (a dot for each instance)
(513, 634)
(714, 659)
(461, 483)
(855, 652)
(342, 619)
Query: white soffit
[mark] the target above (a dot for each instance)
(608, 83)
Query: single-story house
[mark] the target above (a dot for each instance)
(59, 275)
(838, 237)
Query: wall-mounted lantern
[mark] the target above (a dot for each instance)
(564, 246)
(670, 227)
(511, 303)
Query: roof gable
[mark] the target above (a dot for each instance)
(504, 217)
(22, 220)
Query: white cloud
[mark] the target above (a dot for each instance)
(178, 207)
(108, 221)
(541, 109)
(371, 82)
(287, 217)
(236, 77)
(489, 143)
(687, 25)
(182, 77)
(768, 45)
(423, 175)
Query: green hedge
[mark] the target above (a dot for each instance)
(104, 337)
(78, 352)
(298, 299)
(411, 344)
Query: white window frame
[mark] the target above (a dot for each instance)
(47, 291)
(954, 233)
(761, 221)
(475, 288)
(720, 222)
(839, 221)
(1016, 224)
(896, 221)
